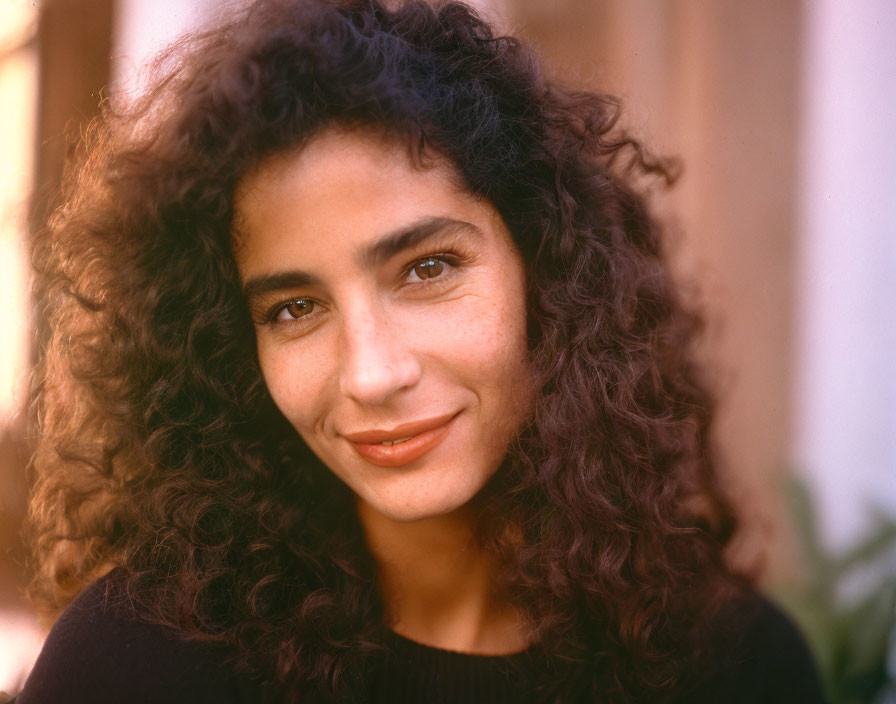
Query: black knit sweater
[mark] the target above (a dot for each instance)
(94, 656)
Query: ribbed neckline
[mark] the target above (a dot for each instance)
(414, 672)
(409, 645)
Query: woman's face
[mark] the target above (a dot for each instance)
(389, 306)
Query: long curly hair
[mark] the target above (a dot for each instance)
(159, 451)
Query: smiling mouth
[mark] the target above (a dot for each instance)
(402, 451)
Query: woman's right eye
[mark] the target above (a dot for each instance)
(292, 310)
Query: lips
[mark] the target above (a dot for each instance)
(422, 436)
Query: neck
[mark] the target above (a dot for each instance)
(439, 586)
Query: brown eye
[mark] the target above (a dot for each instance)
(295, 309)
(428, 268)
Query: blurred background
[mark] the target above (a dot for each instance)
(783, 113)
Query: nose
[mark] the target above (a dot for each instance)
(377, 360)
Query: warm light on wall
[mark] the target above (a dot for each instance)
(18, 82)
(21, 637)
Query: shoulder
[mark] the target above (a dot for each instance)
(768, 661)
(93, 654)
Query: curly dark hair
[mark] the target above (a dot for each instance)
(159, 450)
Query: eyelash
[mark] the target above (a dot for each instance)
(454, 261)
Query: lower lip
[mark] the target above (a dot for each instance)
(404, 452)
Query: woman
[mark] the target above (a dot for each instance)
(364, 379)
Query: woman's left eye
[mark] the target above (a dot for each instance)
(430, 267)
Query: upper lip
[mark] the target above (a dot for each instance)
(399, 432)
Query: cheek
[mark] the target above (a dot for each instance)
(489, 343)
(294, 381)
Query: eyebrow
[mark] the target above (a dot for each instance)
(373, 254)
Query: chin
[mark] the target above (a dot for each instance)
(419, 508)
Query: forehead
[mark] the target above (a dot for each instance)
(338, 159)
(345, 186)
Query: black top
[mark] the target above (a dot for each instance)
(92, 655)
